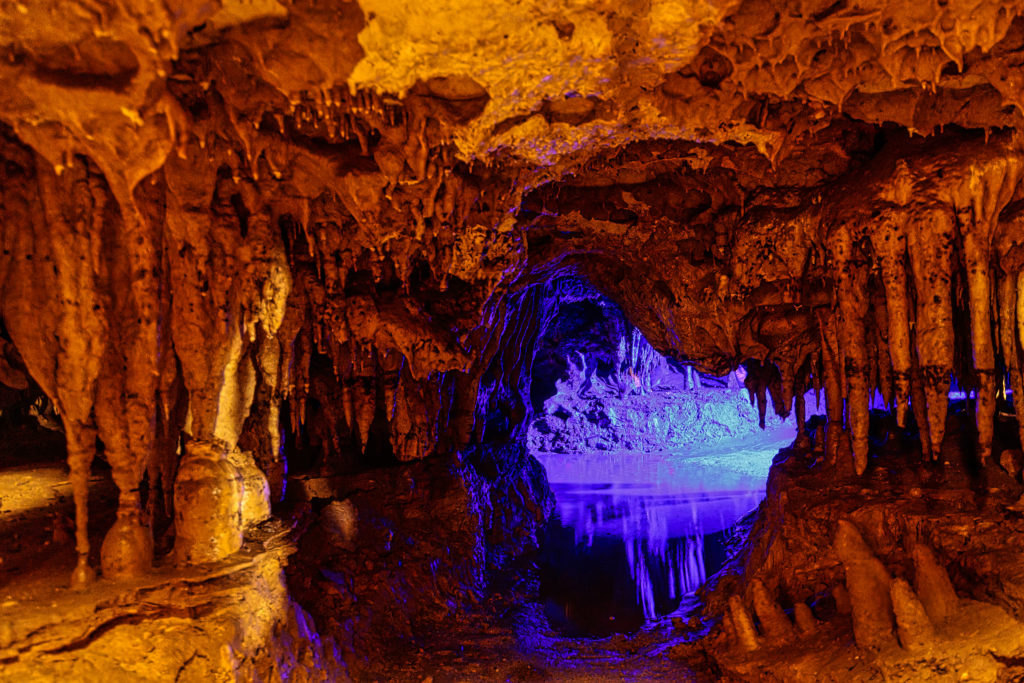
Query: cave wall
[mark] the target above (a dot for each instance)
(325, 235)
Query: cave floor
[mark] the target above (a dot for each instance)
(47, 627)
(519, 645)
(221, 621)
(49, 631)
(37, 546)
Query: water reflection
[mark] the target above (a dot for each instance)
(634, 534)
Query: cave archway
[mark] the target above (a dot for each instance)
(653, 464)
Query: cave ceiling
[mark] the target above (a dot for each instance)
(206, 197)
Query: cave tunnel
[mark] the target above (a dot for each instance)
(336, 337)
(652, 466)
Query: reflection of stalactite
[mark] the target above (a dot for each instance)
(661, 563)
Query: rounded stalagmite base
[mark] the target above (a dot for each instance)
(208, 497)
(127, 550)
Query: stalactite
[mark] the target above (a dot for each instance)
(931, 255)
(976, 256)
(886, 384)
(833, 393)
(888, 238)
(365, 405)
(1018, 398)
(777, 389)
(852, 295)
(816, 372)
(801, 420)
(919, 403)
(1006, 305)
(66, 267)
(757, 386)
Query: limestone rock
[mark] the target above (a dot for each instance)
(842, 598)
(127, 550)
(932, 584)
(1012, 461)
(868, 583)
(256, 490)
(805, 619)
(208, 498)
(775, 625)
(743, 624)
(914, 628)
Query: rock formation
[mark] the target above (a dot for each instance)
(239, 239)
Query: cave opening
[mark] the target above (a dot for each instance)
(653, 465)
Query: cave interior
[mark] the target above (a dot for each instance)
(290, 289)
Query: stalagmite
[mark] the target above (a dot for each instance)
(81, 447)
(127, 550)
(775, 625)
(805, 620)
(868, 583)
(208, 498)
(842, 598)
(743, 624)
(913, 627)
(932, 584)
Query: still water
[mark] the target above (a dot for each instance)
(635, 534)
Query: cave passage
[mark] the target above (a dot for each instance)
(313, 314)
(652, 465)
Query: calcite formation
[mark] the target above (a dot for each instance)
(288, 232)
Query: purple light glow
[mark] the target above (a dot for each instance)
(654, 462)
(662, 506)
(652, 466)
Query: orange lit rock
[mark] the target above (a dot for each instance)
(913, 627)
(127, 550)
(868, 584)
(286, 233)
(255, 490)
(208, 498)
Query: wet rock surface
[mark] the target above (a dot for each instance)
(333, 236)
